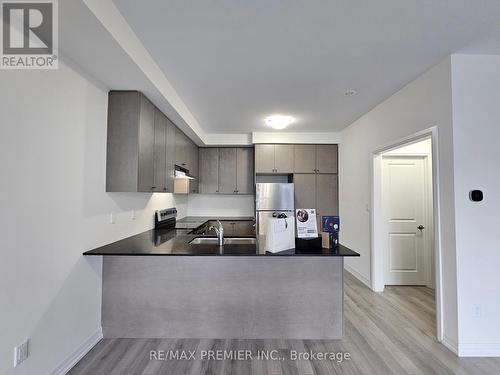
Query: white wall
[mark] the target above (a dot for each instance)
(220, 205)
(54, 207)
(476, 133)
(424, 103)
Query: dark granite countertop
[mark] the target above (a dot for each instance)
(175, 242)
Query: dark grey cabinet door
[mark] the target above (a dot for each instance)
(244, 171)
(304, 158)
(160, 149)
(327, 194)
(283, 158)
(326, 158)
(244, 228)
(194, 167)
(122, 141)
(227, 170)
(170, 155)
(181, 149)
(305, 190)
(209, 170)
(145, 181)
(264, 158)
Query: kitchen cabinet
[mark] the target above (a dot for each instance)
(133, 145)
(209, 170)
(271, 158)
(226, 170)
(146, 145)
(283, 158)
(327, 202)
(181, 149)
(193, 163)
(160, 152)
(244, 228)
(315, 158)
(327, 159)
(264, 158)
(304, 158)
(305, 190)
(143, 146)
(236, 228)
(318, 191)
(245, 170)
(170, 155)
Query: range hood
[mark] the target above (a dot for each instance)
(182, 180)
(182, 173)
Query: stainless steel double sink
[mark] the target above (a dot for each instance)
(227, 241)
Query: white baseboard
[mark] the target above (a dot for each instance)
(450, 344)
(357, 275)
(479, 350)
(68, 363)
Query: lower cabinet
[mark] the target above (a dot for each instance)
(237, 228)
(318, 191)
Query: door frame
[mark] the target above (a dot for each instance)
(377, 256)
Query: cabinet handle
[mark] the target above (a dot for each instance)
(153, 187)
(164, 189)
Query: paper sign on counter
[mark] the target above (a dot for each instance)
(307, 226)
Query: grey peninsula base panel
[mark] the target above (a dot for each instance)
(200, 297)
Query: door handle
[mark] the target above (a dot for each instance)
(421, 227)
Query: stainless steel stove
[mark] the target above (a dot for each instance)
(166, 219)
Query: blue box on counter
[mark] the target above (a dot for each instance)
(330, 224)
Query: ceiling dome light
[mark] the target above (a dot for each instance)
(279, 122)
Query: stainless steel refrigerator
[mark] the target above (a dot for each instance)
(271, 200)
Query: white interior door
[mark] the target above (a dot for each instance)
(404, 219)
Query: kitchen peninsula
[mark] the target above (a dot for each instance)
(158, 284)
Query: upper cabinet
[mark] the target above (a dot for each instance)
(209, 170)
(274, 158)
(170, 155)
(327, 159)
(181, 149)
(130, 158)
(226, 170)
(245, 170)
(143, 145)
(315, 158)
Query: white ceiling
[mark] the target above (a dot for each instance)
(235, 61)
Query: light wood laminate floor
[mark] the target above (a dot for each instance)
(386, 333)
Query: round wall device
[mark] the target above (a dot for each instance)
(476, 195)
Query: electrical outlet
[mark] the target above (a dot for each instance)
(111, 218)
(20, 353)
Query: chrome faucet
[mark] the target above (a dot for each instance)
(220, 232)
